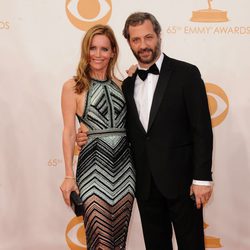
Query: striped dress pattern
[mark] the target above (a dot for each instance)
(105, 174)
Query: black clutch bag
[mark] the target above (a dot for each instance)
(76, 203)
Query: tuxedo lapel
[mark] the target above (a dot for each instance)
(160, 89)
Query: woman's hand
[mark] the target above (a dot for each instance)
(68, 185)
(131, 70)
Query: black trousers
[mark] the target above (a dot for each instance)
(159, 215)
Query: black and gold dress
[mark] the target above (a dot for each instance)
(105, 173)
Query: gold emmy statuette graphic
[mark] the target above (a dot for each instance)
(209, 15)
(210, 241)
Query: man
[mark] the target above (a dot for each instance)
(169, 127)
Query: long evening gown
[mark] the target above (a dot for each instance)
(105, 173)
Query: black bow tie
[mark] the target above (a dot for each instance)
(143, 74)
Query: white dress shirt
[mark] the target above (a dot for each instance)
(143, 95)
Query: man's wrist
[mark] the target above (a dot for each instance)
(202, 183)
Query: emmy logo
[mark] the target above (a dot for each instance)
(209, 15)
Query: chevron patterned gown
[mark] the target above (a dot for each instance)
(105, 174)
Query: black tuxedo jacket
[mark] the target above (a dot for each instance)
(177, 147)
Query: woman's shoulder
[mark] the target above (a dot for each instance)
(117, 81)
(69, 85)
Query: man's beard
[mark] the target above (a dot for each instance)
(154, 54)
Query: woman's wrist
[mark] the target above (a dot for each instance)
(69, 177)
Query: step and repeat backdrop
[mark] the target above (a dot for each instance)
(39, 50)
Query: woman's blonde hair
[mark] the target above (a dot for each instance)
(83, 77)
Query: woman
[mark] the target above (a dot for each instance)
(105, 177)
